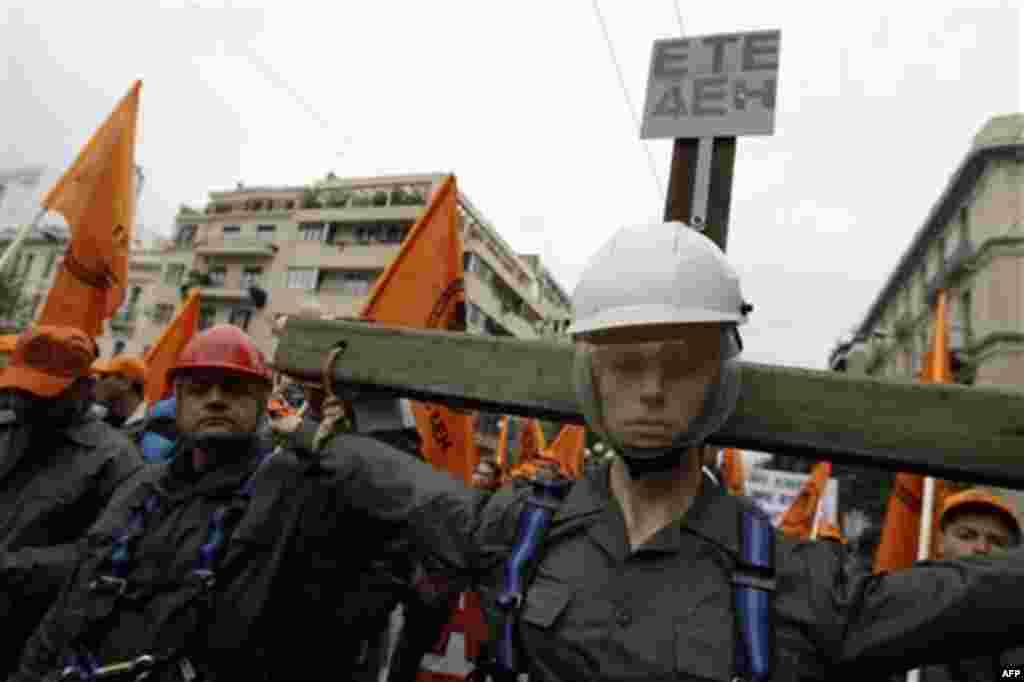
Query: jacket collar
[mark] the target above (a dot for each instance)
(180, 481)
(714, 514)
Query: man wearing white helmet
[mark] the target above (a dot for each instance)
(644, 570)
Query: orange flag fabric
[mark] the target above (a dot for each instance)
(567, 449)
(898, 547)
(423, 287)
(798, 520)
(164, 353)
(733, 475)
(97, 198)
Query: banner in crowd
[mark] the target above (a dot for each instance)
(774, 492)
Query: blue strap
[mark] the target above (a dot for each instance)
(83, 663)
(754, 583)
(534, 521)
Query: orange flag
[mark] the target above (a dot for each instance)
(733, 475)
(898, 547)
(423, 288)
(567, 449)
(798, 520)
(97, 198)
(531, 441)
(164, 353)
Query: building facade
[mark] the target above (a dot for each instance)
(322, 245)
(972, 246)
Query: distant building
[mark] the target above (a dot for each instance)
(324, 245)
(972, 245)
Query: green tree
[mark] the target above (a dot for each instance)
(15, 306)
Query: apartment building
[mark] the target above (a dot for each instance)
(971, 245)
(323, 244)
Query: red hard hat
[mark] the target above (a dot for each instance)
(223, 346)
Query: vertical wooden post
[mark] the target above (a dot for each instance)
(682, 181)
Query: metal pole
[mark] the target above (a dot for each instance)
(924, 541)
(702, 183)
(15, 246)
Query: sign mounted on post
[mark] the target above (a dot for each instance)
(712, 86)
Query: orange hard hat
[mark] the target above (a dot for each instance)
(47, 359)
(976, 498)
(131, 368)
(223, 346)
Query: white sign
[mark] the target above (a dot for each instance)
(774, 492)
(718, 85)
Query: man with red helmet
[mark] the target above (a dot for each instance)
(231, 561)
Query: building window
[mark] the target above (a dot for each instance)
(302, 278)
(393, 235)
(232, 231)
(266, 231)
(409, 195)
(311, 232)
(29, 260)
(186, 235)
(965, 223)
(473, 314)
(162, 313)
(119, 347)
(50, 262)
(289, 204)
(174, 274)
(240, 317)
(350, 282)
(207, 317)
(251, 277)
(217, 276)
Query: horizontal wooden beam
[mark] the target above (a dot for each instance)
(969, 434)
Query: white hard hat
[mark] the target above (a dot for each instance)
(662, 273)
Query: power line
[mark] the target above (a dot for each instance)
(629, 102)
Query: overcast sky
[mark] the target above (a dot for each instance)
(877, 105)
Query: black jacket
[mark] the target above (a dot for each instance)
(53, 485)
(295, 593)
(665, 611)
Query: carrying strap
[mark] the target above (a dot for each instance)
(545, 498)
(753, 582)
(114, 585)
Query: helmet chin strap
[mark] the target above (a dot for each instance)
(718, 405)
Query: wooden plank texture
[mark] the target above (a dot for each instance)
(970, 434)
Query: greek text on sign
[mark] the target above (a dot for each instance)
(708, 86)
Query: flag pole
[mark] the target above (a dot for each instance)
(818, 511)
(23, 234)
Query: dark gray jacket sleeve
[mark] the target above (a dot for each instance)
(935, 612)
(40, 571)
(461, 527)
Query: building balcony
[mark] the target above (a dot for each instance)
(220, 246)
(358, 214)
(218, 293)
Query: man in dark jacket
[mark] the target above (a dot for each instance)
(120, 387)
(975, 523)
(58, 470)
(231, 561)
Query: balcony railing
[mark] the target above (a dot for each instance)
(240, 246)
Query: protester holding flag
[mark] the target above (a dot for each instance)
(58, 469)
